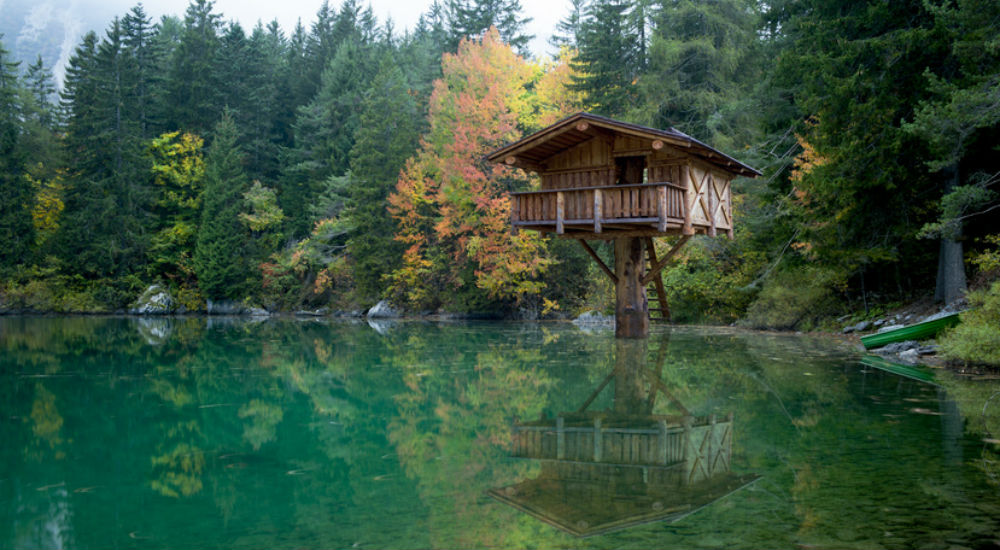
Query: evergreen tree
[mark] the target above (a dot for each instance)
(145, 77)
(220, 260)
(855, 72)
(471, 18)
(108, 197)
(568, 28)
(609, 58)
(16, 229)
(702, 69)
(324, 132)
(386, 136)
(960, 122)
(192, 86)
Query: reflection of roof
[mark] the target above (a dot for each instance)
(591, 507)
(564, 134)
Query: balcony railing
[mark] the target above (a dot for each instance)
(661, 205)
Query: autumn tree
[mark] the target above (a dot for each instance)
(450, 203)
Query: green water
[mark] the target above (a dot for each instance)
(194, 433)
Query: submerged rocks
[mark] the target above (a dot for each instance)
(383, 310)
(230, 307)
(594, 317)
(156, 300)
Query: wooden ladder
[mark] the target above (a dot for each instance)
(659, 309)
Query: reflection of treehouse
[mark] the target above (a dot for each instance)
(603, 471)
(603, 179)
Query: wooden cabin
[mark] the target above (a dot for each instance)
(603, 179)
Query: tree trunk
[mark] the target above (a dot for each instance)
(951, 264)
(631, 307)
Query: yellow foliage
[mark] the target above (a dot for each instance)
(48, 205)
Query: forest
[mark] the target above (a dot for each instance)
(343, 163)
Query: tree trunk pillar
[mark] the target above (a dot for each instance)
(631, 306)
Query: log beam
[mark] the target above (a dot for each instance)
(654, 270)
(600, 262)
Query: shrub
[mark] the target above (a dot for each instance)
(977, 339)
(795, 299)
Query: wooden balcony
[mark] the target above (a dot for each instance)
(638, 209)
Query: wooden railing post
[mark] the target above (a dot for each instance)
(560, 212)
(661, 208)
(597, 210)
(515, 202)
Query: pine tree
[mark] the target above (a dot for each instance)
(702, 69)
(471, 18)
(609, 58)
(386, 136)
(16, 229)
(568, 28)
(324, 132)
(219, 257)
(192, 86)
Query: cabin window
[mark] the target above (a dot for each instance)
(630, 170)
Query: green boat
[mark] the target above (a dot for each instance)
(913, 372)
(919, 331)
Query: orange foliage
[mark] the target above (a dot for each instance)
(450, 203)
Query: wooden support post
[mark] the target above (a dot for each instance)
(661, 208)
(597, 210)
(689, 197)
(600, 262)
(631, 306)
(598, 440)
(560, 438)
(560, 212)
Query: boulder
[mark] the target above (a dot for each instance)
(156, 300)
(889, 328)
(383, 310)
(860, 327)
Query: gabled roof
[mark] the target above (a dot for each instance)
(543, 144)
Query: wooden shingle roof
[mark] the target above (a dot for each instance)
(532, 151)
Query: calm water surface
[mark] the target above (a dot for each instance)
(182, 433)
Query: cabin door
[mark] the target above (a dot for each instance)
(630, 170)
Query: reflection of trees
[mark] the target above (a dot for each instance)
(313, 433)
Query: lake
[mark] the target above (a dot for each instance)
(284, 433)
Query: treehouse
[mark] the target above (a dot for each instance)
(602, 179)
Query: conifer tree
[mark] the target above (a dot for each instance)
(568, 28)
(16, 229)
(387, 135)
(220, 253)
(472, 18)
(193, 87)
(701, 70)
(609, 58)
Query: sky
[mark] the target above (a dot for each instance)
(544, 13)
